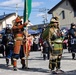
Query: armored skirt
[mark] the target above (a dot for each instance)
(56, 54)
(57, 47)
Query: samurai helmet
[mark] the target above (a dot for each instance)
(54, 20)
(18, 19)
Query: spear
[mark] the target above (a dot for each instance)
(27, 11)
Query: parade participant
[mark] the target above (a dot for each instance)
(45, 49)
(56, 48)
(18, 28)
(9, 41)
(2, 47)
(69, 37)
(28, 43)
(72, 39)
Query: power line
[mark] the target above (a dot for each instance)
(9, 9)
(20, 9)
(10, 6)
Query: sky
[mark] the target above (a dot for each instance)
(38, 13)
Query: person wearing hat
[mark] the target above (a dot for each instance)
(18, 51)
(56, 48)
(8, 42)
(72, 39)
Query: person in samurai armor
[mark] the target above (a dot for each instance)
(8, 42)
(19, 52)
(72, 39)
(56, 48)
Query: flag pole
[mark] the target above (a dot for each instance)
(26, 34)
(27, 11)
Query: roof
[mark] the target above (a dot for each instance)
(2, 17)
(72, 2)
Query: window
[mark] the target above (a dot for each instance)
(63, 15)
(74, 13)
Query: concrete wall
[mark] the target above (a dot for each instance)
(69, 14)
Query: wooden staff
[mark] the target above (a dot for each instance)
(26, 47)
(26, 34)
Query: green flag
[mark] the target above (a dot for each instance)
(27, 9)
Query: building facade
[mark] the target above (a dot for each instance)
(7, 20)
(66, 11)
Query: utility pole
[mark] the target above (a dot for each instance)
(45, 16)
(16, 10)
(5, 20)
